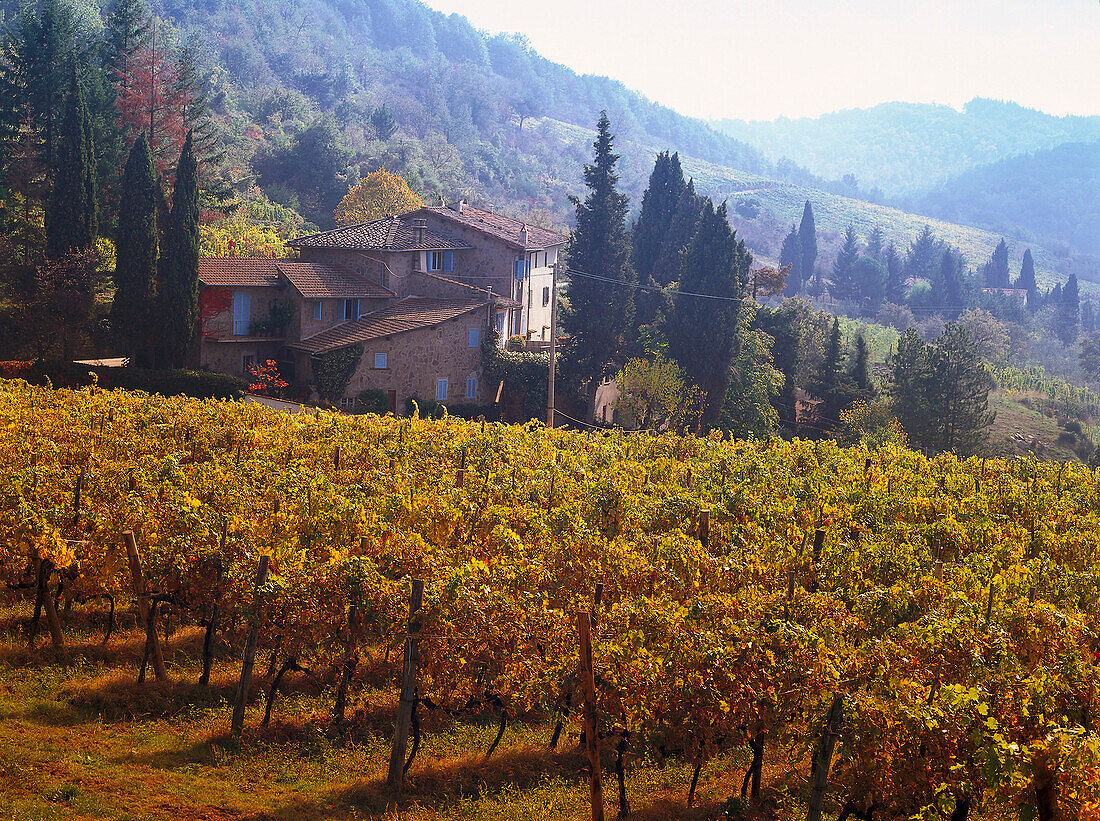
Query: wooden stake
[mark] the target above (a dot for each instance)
(351, 656)
(336, 459)
(823, 758)
(790, 584)
(939, 571)
(138, 578)
(587, 676)
(408, 688)
(704, 528)
(819, 542)
(250, 648)
(989, 605)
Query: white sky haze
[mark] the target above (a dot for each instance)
(761, 59)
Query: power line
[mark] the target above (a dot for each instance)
(651, 288)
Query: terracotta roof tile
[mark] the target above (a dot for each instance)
(387, 234)
(410, 314)
(495, 225)
(315, 280)
(238, 273)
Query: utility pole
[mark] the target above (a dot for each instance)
(553, 343)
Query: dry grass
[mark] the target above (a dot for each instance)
(81, 739)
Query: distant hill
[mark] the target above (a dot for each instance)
(1053, 194)
(762, 209)
(903, 148)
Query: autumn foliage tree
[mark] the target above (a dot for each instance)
(377, 195)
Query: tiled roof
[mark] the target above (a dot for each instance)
(409, 314)
(239, 273)
(386, 234)
(496, 225)
(315, 280)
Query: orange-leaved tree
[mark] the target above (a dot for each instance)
(379, 194)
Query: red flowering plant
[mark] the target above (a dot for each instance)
(265, 379)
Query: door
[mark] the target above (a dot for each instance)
(393, 402)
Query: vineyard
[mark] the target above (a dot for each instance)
(889, 636)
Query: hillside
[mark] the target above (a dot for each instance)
(1053, 194)
(902, 148)
(763, 208)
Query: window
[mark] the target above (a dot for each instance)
(545, 296)
(472, 337)
(347, 402)
(518, 327)
(440, 390)
(440, 260)
(522, 268)
(248, 362)
(317, 309)
(351, 309)
(471, 388)
(242, 312)
(500, 323)
(380, 361)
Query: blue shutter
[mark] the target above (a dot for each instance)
(448, 260)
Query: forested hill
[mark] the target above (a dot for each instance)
(436, 73)
(1051, 194)
(902, 148)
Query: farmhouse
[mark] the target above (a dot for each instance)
(401, 303)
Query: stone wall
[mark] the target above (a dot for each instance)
(416, 359)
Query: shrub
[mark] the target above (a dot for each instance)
(373, 400)
(196, 384)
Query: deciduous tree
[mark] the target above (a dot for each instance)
(379, 194)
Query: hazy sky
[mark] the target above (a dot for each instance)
(760, 59)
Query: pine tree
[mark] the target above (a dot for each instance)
(842, 284)
(127, 30)
(959, 385)
(659, 204)
(910, 383)
(1026, 281)
(71, 221)
(791, 254)
(178, 269)
(701, 332)
(194, 91)
(875, 244)
(833, 386)
(1067, 317)
(925, 253)
(600, 311)
(807, 236)
(132, 314)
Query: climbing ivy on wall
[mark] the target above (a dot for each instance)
(333, 371)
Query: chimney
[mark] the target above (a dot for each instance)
(420, 225)
(523, 235)
(457, 206)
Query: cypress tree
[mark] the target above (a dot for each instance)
(702, 332)
(600, 311)
(807, 235)
(996, 270)
(895, 275)
(178, 270)
(1067, 317)
(659, 203)
(1026, 281)
(791, 254)
(681, 228)
(71, 221)
(136, 256)
(860, 373)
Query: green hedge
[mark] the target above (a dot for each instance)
(197, 384)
